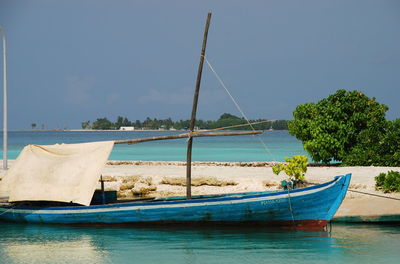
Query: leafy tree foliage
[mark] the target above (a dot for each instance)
(340, 126)
(122, 122)
(102, 123)
(279, 125)
(381, 149)
(85, 124)
(295, 168)
(226, 120)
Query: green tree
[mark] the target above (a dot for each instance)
(126, 122)
(228, 116)
(279, 125)
(138, 124)
(85, 125)
(182, 124)
(168, 123)
(122, 122)
(335, 126)
(102, 123)
(33, 125)
(381, 149)
(119, 122)
(226, 120)
(146, 123)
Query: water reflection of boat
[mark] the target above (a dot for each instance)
(47, 244)
(49, 252)
(21, 243)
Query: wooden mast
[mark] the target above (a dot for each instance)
(194, 109)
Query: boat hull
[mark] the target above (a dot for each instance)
(306, 208)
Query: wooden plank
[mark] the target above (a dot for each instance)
(187, 135)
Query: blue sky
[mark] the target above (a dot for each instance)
(72, 61)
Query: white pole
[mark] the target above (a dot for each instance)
(5, 129)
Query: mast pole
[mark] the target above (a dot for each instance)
(194, 110)
(5, 121)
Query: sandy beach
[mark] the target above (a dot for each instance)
(131, 178)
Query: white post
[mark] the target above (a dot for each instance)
(5, 129)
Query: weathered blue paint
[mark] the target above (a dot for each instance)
(318, 203)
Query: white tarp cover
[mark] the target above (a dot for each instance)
(61, 172)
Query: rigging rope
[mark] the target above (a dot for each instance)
(365, 193)
(377, 195)
(290, 207)
(237, 106)
(9, 209)
(262, 142)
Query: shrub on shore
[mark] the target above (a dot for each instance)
(295, 168)
(388, 182)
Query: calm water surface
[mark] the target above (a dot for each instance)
(238, 148)
(20, 243)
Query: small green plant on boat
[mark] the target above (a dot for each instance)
(295, 168)
(388, 182)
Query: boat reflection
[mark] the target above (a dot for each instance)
(173, 244)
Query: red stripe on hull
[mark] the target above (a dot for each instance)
(312, 225)
(306, 225)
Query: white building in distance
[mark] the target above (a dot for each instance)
(127, 128)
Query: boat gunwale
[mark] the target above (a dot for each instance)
(223, 198)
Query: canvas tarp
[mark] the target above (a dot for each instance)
(61, 172)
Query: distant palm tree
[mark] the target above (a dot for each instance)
(33, 125)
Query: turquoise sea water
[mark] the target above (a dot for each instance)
(20, 243)
(238, 148)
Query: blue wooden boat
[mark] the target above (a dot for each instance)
(307, 208)
(55, 185)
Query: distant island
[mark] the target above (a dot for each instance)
(225, 120)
